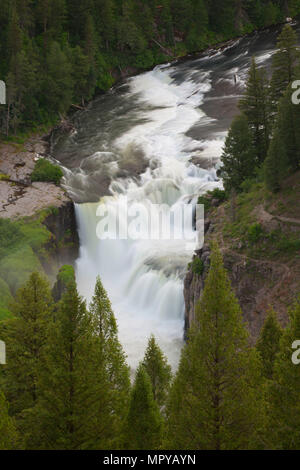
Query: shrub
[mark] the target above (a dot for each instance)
(205, 201)
(66, 274)
(197, 266)
(255, 232)
(219, 194)
(46, 171)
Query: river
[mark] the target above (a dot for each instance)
(155, 138)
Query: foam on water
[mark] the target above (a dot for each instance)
(159, 118)
(144, 277)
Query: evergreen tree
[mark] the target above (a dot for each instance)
(9, 438)
(284, 416)
(216, 400)
(57, 87)
(238, 158)
(159, 371)
(255, 105)
(268, 343)
(106, 16)
(109, 354)
(25, 336)
(143, 426)
(288, 122)
(276, 164)
(64, 406)
(284, 151)
(284, 63)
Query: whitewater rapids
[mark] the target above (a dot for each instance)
(158, 139)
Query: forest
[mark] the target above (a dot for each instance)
(67, 384)
(59, 53)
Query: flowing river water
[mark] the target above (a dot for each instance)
(155, 138)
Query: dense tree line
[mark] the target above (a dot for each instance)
(55, 53)
(263, 141)
(66, 383)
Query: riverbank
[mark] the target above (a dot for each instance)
(37, 220)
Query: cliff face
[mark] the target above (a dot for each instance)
(64, 244)
(259, 236)
(257, 284)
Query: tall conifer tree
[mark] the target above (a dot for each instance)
(216, 400)
(268, 343)
(284, 417)
(255, 105)
(159, 371)
(143, 426)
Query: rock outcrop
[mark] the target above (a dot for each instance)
(264, 271)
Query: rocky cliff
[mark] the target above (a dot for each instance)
(259, 235)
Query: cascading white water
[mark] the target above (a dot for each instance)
(168, 126)
(144, 278)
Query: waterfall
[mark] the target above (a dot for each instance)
(155, 139)
(144, 278)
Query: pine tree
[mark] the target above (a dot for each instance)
(216, 400)
(9, 438)
(268, 343)
(238, 158)
(284, 151)
(143, 426)
(284, 62)
(288, 122)
(106, 16)
(14, 34)
(284, 416)
(255, 105)
(58, 84)
(64, 401)
(109, 354)
(84, 383)
(25, 336)
(159, 371)
(276, 163)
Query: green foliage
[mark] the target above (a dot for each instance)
(46, 171)
(218, 194)
(255, 105)
(63, 384)
(110, 355)
(143, 426)
(9, 438)
(25, 336)
(255, 232)
(284, 63)
(66, 274)
(284, 416)
(62, 52)
(10, 235)
(21, 248)
(268, 343)
(159, 371)
(197, 266)
(238, 156)
(216, 400)
(284, 152)
(6, 299)
(18, 265)
(65, 277)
